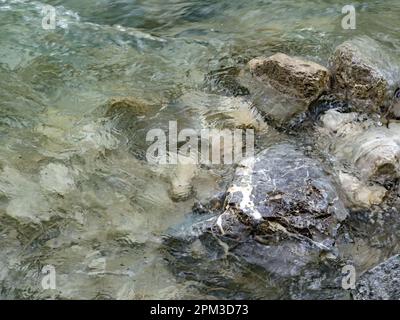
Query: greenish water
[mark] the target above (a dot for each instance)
(73, 191)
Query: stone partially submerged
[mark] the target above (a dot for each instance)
(364, 73)
(304, 80)
(282, 86)
(280, 217)
(283, 190)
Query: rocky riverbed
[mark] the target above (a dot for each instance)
(285, 215)
(313, 213)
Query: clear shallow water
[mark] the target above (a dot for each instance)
(73, 191)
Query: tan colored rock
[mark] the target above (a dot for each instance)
(361, 194)
(300, 79)
(363, 73)
(180, 176)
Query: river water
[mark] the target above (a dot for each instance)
(75, 193)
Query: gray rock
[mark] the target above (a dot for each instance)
(280, 218)
(381, 282)
(283, 190)
(364, 73)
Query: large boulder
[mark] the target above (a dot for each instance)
(305, 80)
(381, 282)
(277, 227)
(364, 73)
(283, 190)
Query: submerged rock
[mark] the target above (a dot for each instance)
(364, 73)
(220, 112)
(224, 81)
(294, 77)
(282, 189)
(381, 282)
(131, 120)
(26, 203)
(282, 87)
(335, 121)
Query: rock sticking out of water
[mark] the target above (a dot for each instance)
(298, 78)
(280, 217)
(374, 152)
(363, 73)
(282, 189)
(282, 87)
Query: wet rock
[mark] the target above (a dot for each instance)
(325, 103)
(394, 110)
(381, 282)
(359, 193)
(364, 73)
(341, 135)
(294, 77)
(213, 204)
(280, 218)
(335, 121)
(276, 107)
(282, 88)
